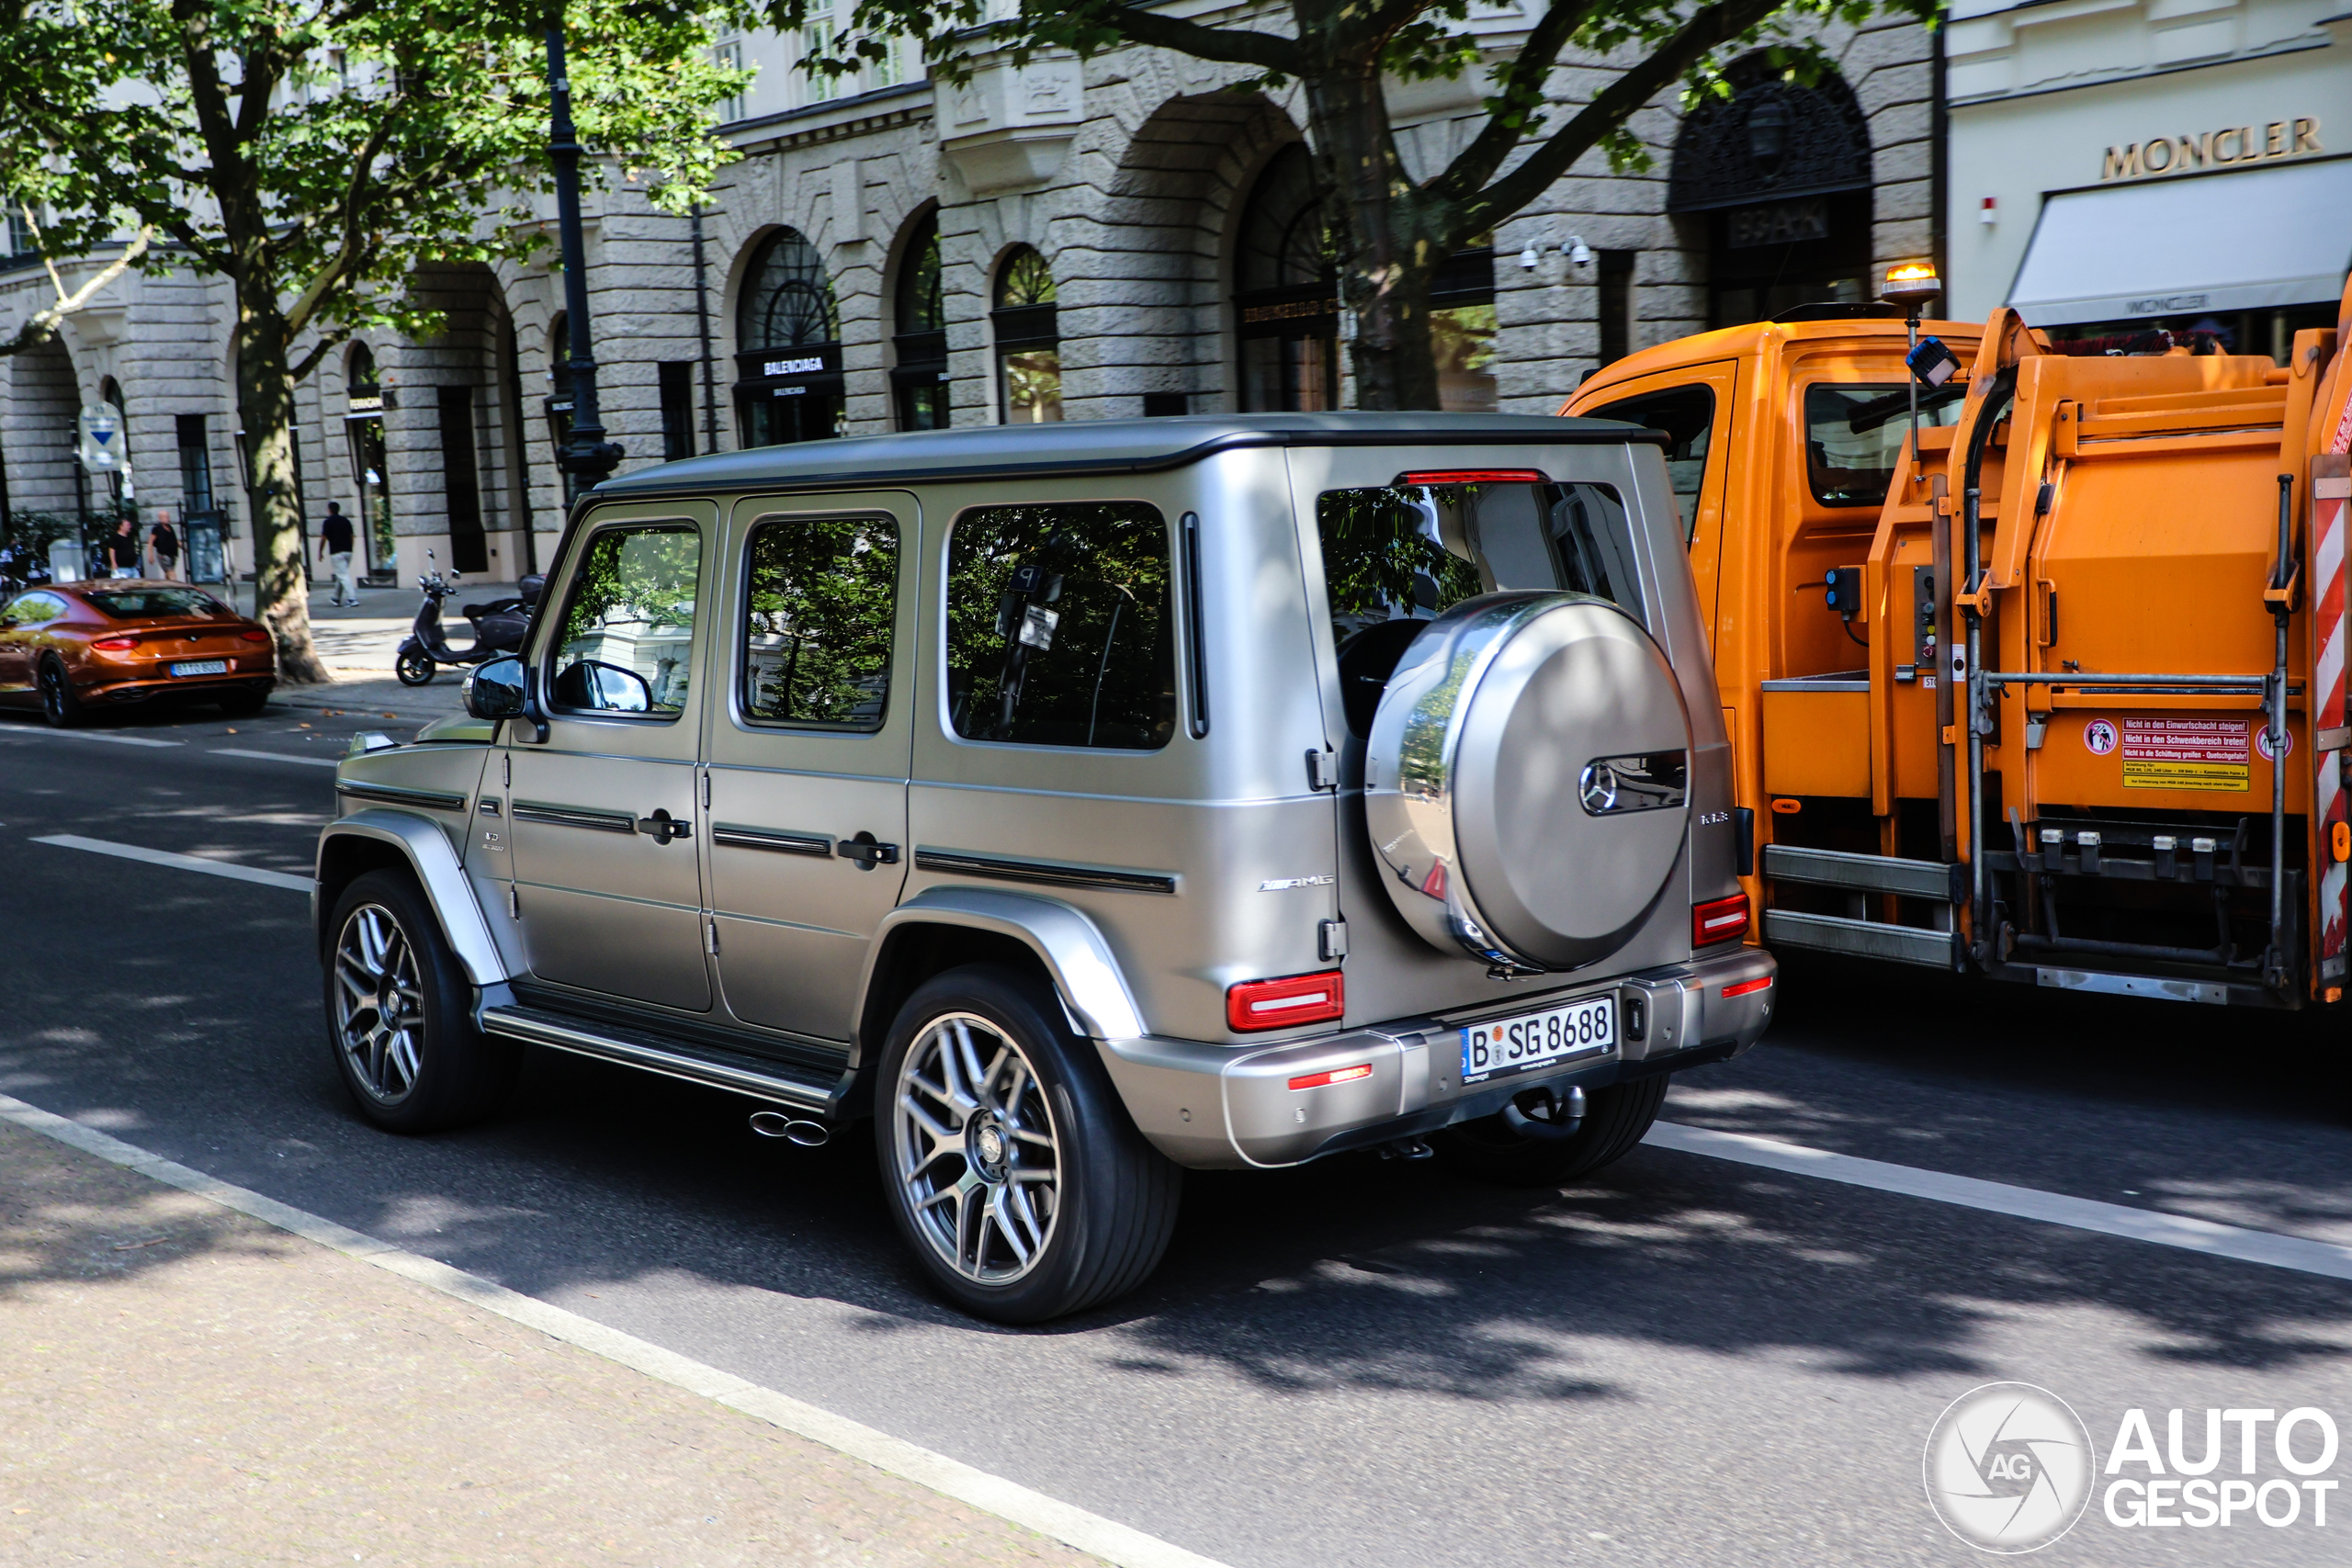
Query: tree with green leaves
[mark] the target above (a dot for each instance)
(1389, 230)
(316, 153)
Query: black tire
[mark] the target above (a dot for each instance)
(1615, 1119)
(60, 705)
(449, 1072)
(413, 669)
(244, 702)
(1111, 1200)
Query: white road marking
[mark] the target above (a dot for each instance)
(275, 757)
(183, 863)
(2237, 1242)
(1122, 1545)
(27, 730)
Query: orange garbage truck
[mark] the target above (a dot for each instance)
(2053, 694)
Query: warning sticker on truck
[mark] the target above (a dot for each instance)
(2187, 753)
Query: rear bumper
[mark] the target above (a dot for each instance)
(1221, 1106)
(142, 690)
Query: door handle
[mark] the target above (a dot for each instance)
(868, 851)
(662, 827)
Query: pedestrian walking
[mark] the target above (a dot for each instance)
(335, 548)
(164, 551)
(121, 550)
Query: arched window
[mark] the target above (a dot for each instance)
(1028, 339)
(1286, 292)
(363, 428)
(919, 380)
(787, 343)
(1781, 172)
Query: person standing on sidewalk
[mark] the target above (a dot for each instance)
(164, 551)
(121, 550)
(335, 548)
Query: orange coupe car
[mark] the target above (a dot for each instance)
(71, 647)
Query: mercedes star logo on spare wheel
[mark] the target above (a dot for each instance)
(2008, 1467)
(1599, 787)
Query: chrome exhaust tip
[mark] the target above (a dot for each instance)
(792, 1129)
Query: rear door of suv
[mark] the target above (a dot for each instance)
(810, 730)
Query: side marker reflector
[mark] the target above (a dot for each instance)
(1337, 1074)
(1761, 983)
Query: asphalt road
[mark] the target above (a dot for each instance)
(1684, 1362)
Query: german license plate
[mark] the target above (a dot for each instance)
(1508, 1046)
(201, 667)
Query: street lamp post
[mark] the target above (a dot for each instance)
(586, 453)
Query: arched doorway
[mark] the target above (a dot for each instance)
(1780, 175)
(787, 343)
(1286, 293)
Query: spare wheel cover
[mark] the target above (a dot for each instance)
(1501, 713)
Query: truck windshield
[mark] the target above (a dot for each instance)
(1395, 556)
(1854, 431)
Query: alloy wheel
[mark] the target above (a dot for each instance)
(379, 1004)
(977, 1153)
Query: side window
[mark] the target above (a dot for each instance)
(1397, 555)
(627, 637)
(33, 610)
(1058, 629)
(821, 595)
(1854, 434)
(1686, 414)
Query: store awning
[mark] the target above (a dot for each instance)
(2241, 240)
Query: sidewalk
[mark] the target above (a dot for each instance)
(188, 1384)
(357, 644)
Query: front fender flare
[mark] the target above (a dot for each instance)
(427, 852)
(1069, 945)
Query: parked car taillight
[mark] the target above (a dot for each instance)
(115, 644)
(1279, 1004)
(1719, 919)
(252, 634)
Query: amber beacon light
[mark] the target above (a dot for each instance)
(1911, 283)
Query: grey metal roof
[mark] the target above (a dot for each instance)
(1096, 446)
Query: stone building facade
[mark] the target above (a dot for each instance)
(1118, 237)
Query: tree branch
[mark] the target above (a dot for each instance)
(42, 325)
(326, 344)
(350, 247)
(1268, 51)
(1521, 89)
(1617, 103)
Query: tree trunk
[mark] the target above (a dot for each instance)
(266, 393)
(1388, 237)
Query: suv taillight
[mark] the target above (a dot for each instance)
(1719, 919)
(1280, 1004)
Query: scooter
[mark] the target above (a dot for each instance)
(498, 627)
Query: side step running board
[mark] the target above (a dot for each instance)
(780, 1083)
(1864, 939)
(1868, 873)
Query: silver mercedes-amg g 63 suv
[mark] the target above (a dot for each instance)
(1083, 803)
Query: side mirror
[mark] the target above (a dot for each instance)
(494, 689)
(602, 688)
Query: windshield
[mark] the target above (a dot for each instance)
(1854, 433)
(153, 604)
